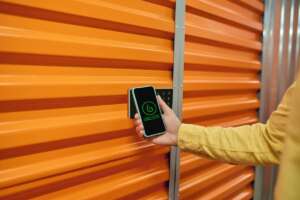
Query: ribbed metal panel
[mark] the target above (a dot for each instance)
(222, 62)
(65, 67)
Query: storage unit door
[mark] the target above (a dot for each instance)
(65, 68)
(222, 62)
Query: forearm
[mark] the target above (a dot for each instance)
(245, 144)
(249, 144)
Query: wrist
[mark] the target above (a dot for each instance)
(177, 133)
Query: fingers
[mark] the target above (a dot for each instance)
(163, 105)
(140, 131)
(136, 116)
(137, 121)
(139, 126)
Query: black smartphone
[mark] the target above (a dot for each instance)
(148, 110)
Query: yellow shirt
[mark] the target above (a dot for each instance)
(256, 144)
(289, 174)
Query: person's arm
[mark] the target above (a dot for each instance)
(249, 144)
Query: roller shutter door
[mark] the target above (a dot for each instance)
(222, 61)
(65, 69)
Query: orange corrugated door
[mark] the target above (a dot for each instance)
(65, 69)
(222, 61)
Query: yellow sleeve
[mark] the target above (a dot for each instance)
(289, 173)
(249, 144)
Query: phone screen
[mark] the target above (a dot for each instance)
(149, 111)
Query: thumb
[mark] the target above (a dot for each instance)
(163, 105)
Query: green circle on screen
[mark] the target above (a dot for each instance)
(149, 108)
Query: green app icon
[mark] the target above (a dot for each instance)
(149, 108)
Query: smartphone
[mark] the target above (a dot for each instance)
(148, 110)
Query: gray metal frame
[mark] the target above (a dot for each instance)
(283, 56)
(292, 38)
(178, 71)
(264, 96)
(296, 40)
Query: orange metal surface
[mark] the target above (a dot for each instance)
(222, 62)
(226, 11)
(65, 67)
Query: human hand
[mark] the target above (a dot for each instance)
(172, 124)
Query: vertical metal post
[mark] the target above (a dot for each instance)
(283, 50)
(178, 71)
(267, 63)
(292, 31)
(297, 37)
